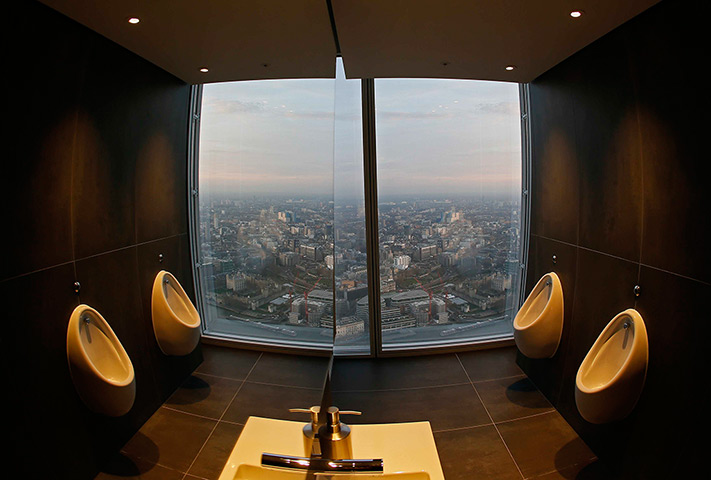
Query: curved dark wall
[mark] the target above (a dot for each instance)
(620, 137)
(94, 190)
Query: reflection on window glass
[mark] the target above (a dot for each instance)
(352, 316)
(449, 180)
(266, 210)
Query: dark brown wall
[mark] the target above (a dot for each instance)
(619, 197)
(94, 189)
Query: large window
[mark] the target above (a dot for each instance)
(286, 242)
(449, 191)
(266, 211)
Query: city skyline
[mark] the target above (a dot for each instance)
(384, 199)
(278, 268)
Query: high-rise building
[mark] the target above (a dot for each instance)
(447, 259)
(425, 251)
(235, 281)
(288, 259)
(401, 262)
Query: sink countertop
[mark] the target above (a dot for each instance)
(404, 447)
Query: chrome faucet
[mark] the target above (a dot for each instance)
(322, 464)
(335, 436)
(311, 442)
(330, 446)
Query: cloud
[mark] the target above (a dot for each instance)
(310, 115)
(222, 106)
(433, 136)
(395, 115)
(500, 108)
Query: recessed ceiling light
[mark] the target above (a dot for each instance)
(510, 67)
(576, 13)
(204, 70)
(134, 20)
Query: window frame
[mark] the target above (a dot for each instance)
(371, 231)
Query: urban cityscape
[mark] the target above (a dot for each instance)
(283, 268)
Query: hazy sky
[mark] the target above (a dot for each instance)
(434, 137)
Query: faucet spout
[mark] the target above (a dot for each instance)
(323, 464)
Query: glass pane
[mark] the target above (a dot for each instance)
(449, 183)
(352, 325)
(266, 210)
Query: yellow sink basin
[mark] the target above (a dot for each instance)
(408, 451)
(253, 472)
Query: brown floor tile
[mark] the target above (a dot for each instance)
(217, 450)
(433, 404)
(204, 395)
(169, 438)
(475, 453)
(187, 435)
(399, 372)
(592, 470)
(270, 401)
(511, 398)
(544, 443)
(290, 370)
(122, 467)
(490, 364)
(227, 362)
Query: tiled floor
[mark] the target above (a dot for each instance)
(489, 421)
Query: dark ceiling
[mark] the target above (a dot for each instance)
(259, 39)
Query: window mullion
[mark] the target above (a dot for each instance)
(193, 199)
(524, 101)
(371, 215)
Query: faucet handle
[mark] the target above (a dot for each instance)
(350, 412)
(315, 408)
(313, 411)
(334, 415)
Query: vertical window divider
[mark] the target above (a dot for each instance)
(524, 102)
(193, 196)
(371, 215)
